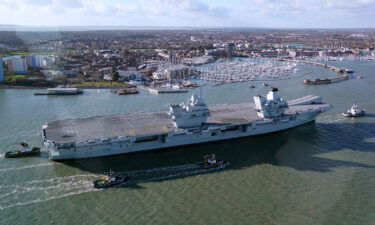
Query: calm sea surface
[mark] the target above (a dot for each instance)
(319, 173)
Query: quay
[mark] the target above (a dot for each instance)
(333, 68)
(325, 80)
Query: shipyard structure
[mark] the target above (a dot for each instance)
(191, 122)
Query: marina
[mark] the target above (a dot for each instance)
(250, 69)
(247, 70)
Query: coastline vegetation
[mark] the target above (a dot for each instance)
(24, 53)
(99, 84)
(13, 77)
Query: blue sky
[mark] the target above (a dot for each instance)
(218, 13)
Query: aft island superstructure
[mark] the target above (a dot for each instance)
(191, 122)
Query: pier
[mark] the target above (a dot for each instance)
(326, 80)
(333, 68)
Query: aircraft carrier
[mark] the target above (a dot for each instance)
(191, 122)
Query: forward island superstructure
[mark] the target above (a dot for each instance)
(191, 122)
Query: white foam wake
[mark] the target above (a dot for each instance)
(330, 118)
(36, 191)
(25, 167)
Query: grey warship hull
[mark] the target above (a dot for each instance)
(127, 133)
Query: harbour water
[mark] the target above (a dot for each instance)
(320, 173)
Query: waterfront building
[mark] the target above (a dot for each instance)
(230, 50)
(128, 75)
(105, 71)
(302, 53)
(53, 74)
(177, 72)
(36, 61)
(1, 71)
(172, 57)
(17, 65)
(323, 54)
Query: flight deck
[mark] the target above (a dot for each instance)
(150, 123)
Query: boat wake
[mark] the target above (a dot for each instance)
(330, 118)
(161, 169)
(186, 173)
(36, 191)
(25, 167)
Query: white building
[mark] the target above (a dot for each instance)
(128, 75)
(177, 72)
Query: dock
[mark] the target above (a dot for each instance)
(333, 68)
(325, 80)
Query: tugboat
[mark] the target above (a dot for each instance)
(354, 111)
(210, 161)
(110, 179)
(24, 150)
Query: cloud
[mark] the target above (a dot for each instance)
(188, 6)
(38, 2)
(68, 3)
(253, 13)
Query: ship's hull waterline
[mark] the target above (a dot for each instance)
(218, 128)
(106, 150)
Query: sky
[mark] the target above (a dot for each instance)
(191, 13)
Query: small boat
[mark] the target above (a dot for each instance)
(126, 91)
(24, 150)
(354, 111)
(349, 71)
(210, 161)
(251, 86)
(264, 84)
(110, 180)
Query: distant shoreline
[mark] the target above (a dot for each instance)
(20, 87)
(36, 28)
(43, 88)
